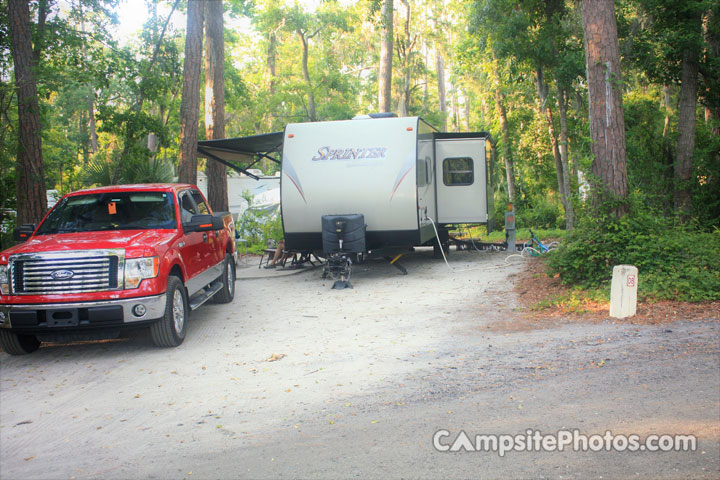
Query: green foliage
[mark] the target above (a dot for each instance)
(521, 234)
(543, 214)
(706, 187)
(257, 227)
(97, 172)
(493, 51)
(651, 158)
(154, 170)
(647, 149)
(674, 262)
(576, 300)
(8, 222)
(8, 146)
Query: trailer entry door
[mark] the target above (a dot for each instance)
(461, 178)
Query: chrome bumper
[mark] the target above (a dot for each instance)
(154, 308)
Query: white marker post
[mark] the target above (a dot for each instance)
(623, 291)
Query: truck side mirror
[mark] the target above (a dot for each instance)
(203, 223)
(23, 232)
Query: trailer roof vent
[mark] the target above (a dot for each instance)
(375, 115)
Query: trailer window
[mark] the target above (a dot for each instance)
(458, 171)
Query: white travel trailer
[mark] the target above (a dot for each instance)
(402, 175)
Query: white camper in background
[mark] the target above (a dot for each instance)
(401, 174)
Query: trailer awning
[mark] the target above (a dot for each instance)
(241, 153)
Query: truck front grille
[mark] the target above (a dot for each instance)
(71, 272)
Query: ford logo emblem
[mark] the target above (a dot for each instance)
(62, 274)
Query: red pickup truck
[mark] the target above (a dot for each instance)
(110, 258)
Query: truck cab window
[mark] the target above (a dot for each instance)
(202, 207)
(187, 207)
(111, 211)
(458, 171)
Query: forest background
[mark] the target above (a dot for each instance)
(115, 110)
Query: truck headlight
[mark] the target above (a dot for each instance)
(4, 280)
(138, 269)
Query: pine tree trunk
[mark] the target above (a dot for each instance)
(42, 12)
(404, 50)
(386, 58)
(507, 151)
(426, 78)
(545, 112)
(607, 124)
(190, 103)
(467, 111)
(92, 125)
(30, 171)
(564, 159)
(440, 62)
(686, 129)
(505, 132)
(312, 115)
(712, 38)
(215, 101)
(271, 58)
(668, 109)
(456, 109)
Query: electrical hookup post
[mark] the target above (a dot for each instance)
(510, 228)
(623, 291)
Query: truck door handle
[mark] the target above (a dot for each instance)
(205, 237)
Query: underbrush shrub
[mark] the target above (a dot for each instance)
(674, 262)
(257, 226)
(543, 215)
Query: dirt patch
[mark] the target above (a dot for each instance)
(295, 380)
(537, 291)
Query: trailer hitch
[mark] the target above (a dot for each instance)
(339, 268)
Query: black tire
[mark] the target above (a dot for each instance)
(15, 344)
(170, 330)
(227, 293)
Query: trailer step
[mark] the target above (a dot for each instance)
(396, 264)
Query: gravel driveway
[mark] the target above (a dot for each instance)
(296, 380)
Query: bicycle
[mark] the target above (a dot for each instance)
(536, 248)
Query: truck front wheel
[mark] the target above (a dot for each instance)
(169, 331)
(15, 344)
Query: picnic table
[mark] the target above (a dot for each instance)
(296, 257)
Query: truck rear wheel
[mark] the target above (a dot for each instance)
(15, 344)
(227, 293)
(170, 330)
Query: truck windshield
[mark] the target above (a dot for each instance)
(111, 211)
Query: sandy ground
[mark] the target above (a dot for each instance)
(294, 380)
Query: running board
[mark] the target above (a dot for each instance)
(205, 295)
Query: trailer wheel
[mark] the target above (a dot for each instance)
(15, 344)
(227, 293)
(170, 330)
